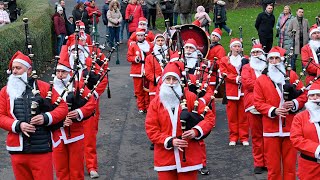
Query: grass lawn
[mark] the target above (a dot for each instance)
(246, 19)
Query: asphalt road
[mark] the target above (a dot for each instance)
(123, 147)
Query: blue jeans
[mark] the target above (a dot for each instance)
(175, 18)
(124, 25)
(114, 35)
(60, 41)
(293, 62)
(223, 26)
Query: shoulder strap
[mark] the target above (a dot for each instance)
(284, 23)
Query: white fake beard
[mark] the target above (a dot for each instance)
(15, 87)
(274, 74)
(163, 50)
(314, 110)
(314, 44)
(167, 96)
(82, 59)
(192, 59)
(144, 46)
(59, 86)
(258, 64)
(236, 61)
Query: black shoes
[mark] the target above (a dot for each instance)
(151, 147)
(204, 171)
(259, 170)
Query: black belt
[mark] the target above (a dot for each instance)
(309, 158)
(311, 74)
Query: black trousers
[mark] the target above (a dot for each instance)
(266, 43)
(168, 16)
(152, 17)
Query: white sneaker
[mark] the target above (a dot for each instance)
(232, 143)
(94, 174)
(245, 143)
(230, 33)
(140, 111)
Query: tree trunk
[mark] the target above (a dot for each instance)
(235, 4)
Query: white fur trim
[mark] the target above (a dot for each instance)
(203, 100)
(55, 144)
(79, 46)
(140, 33)
(237, 79)
(172, 74)
(276, 134)
(62, 67)
(174, 59)
(152, 93)
(80, 114)
(16, 148)
(190, 45)
(157, 79)
(270, 111)
(234, 43)
(233, 97)
(296, 105)
(316, 153)
(273, 54)
(13, 126)
(313, 31)
(165, 168)
(200, 130)
(316, 91)
(256, 49)
(216, 34)
(249, 108)
(96, 95)
(68, 141)
(25, 63)
(166, 143)
(50, 118)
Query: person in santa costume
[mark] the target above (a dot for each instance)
(143, 24)
(250, 72)
(29, 137)
(230, 67)
(83, 35)
(312, 50)
(191, 54)
(137, 53)
(163, 127)
(305, 133)
(68, 151)
(277, 115)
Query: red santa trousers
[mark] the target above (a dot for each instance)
(142, 95)
(308, 169)
(69, 160)
(90, 128)
(279, 150)
(203, 152)
(237, 122)
(32, 166)
(255, 121)
(174, 175)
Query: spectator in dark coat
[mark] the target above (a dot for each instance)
(264, 3)
(59, 28)
(145, 8)
(152, 5)
(13, 10)
(124, 24)
(167, 9)
(70, 26)
(185, 8)
(264, 25)
(80, 13)
(105, 9)
(220, 16)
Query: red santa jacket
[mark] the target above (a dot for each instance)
(149, 37)
(234, 89)
(76, 129)
(153, 71)
(306, 53)
(162, 125)
(267, 97)
(218, 52)
(137, 69)
(248, 80)
(8, 121)
(305, 135)
(91, 10)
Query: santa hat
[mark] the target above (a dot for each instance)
(72, 42)
(192, 43)
(158, 35)
(63, 63)
(276, 52)
(81, 24)
(314, 28)
(257, 47)
(217, 32)
(174, 57)
(235, 41)
(314, 89)
(59, 8)
(140, 31)
(174, 69)
(21, 58)
(197, 23)
(143, 19)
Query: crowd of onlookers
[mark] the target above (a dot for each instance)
(8, 11)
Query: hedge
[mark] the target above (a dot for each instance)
(12, 36)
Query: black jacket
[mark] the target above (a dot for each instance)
(264, 24)
(83, 16)
(166, 6)
(219, 10)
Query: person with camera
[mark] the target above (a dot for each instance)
(24, 116)
(133, 13)
(4, 16)
(114, 20)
